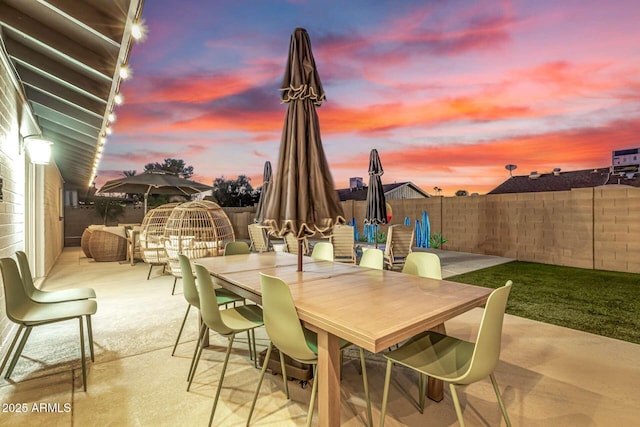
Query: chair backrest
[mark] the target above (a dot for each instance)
(372, 258)
(189, 289)
(281, 319)
(236, 248)
(209, 309)
(486, 352)
(399, 241)
(343, 243)
(25, 272)
(292, 244)
(323, 251)
(259, 238)
(423, 264)
(16, 299)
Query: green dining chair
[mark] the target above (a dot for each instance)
(27, 313)
(423, 264)
(322, 251)
(190, 292)
(372, 258)
(236, 248)
(40, 296)
(453, 360)
(227, 322)
(286, 332)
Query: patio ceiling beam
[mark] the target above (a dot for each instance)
(55, 44)
(70, 110)
(47, 122)
(61, 74)
(62, 93)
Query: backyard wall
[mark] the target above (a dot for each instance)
(587, 228)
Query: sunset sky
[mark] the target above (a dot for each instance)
(449, 92)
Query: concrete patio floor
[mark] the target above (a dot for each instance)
(549, 375)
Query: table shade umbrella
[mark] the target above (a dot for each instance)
(302, 198)
(154, 183)
(376, 208)
(266, 183)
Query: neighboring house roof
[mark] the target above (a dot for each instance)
(389, 189)
(563, 181)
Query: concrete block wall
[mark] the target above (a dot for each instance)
(12, 209)
(586, 228)
(616, 239)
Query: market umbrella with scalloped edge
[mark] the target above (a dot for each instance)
(302, 198)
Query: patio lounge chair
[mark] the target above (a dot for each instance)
(259, 238)
(399, 245)
(343, 243)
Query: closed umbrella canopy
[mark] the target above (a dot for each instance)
(376, 212)
(154, 183)
(266, 183)
(302, 198)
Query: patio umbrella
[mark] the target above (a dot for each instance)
(266, 181)
(302, 199)
(154, 183)
(376, 212)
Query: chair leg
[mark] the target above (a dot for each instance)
(18, 352)
(249, 345)
(13, 344)
(149, 273)
(262, 372)
(90, 334)
(385, 393)
(283, 367)
(255, 351)
(181, 328)
(224, 369)
(456, 403)
(422, 391)
(84, 362)
(500, 401)
(366, 387)
(314, 391)
(175, 280)
(196, 355)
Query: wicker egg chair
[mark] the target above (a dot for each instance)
(196, 229)
(152, 236)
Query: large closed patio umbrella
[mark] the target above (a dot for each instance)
(154, 183)
(302, 199)
(376, 212)
(266, 183)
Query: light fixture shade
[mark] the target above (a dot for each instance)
(39, 150)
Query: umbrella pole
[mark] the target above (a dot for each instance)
(145, 202)
(299, 255)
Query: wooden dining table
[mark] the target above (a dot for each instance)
(373, 309)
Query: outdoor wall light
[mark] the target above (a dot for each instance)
(39, 150)
(112, 117)
(124, 72)
(138, 30)
(118, 99)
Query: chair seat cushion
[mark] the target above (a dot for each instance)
(33, 313)
(439, 356)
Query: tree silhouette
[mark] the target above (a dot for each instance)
(174, 166)
(234, 192)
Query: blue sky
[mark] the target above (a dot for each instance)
(449, 92)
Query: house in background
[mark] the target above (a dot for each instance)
(61, 65)
(623, 171)
(396, 191)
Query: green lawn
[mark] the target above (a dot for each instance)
(601, 302)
